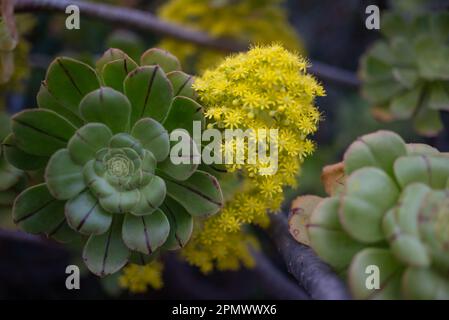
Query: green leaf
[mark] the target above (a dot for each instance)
(328, 239)
(182, 84)
(431, 57)
(64, 177)
(120, 201)
(181, 225)
(36, 211)
(107, 106)
(379, 149)
(85, 215)
(45, 100)
(407, 77)
(381, 91)
(110, 55)
(162, 58)
(424, 284)
(115, 72)
(375, 69)
(421, 149)
(150, 93)
(427, 122)
(393, 24)
(106, 253)
(41, 132)
(153, 137)
(151, 197)
(403, 106)
(390, 272)
(183, 112)
(9, 176)
(184, 157)
(19, 158)
(439, 97)
(430, 170)
(87, 140)
(369, 193)
(200, 195)
(147, 233)
(69, 80)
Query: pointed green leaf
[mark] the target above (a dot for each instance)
(183, 112)
(107, 106)
(41, 132)
(36, 211)
(19, 158)
(200, 195)
(69, 80)
(164, 59)
(87, 141)
(146, 233)
(63, 176)
(115, 72)
(150, 93)
(153, 137)
(369, 193)
(106, 253)
(181, 225)
(45, 100)
(182, 84)
(85, 215)
(389, 272)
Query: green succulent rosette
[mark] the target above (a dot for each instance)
(393, 213)
(406, 74)
(103, 137)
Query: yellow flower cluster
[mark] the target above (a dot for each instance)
(252, 21)
(137, 278)
(268, 88)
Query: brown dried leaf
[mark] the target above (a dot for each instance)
(333, 178)
(299, 217)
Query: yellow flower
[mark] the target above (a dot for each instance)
(137, 278)
(267, 87)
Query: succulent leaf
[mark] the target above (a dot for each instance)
(115, 72)
(162, 58)
(182, 112)
(181, 225)
(182, 84)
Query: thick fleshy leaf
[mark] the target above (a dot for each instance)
(150, 93)
(431, 57)
(328, 239)
(403, 106)
(63, 176)
(85, 215)
(45, 100)
(19, 158)
(151, 197)
(184, 157)
(427, 122)
(200, 195)
(400, 226)
(183, 112)
(97, 185)
(421, 149)
(405, 76)
(9, 175)
(381, 91)
(333, 178)
(369, 193)
(120, 201)
(299, 217)
(41, 132)
(65, 234)
(36, 211)
(181, 225)
(110, 55)
(162, 58)
(182, 84)
(153, 136)
(439, 96)
(375, 69)
(115, 72)
(106, 253)
(146, 233)
(389, 273)
(379, 149)
(107, 106)
(87, 141)
(424, 284)
(431, 170)
(69, 80)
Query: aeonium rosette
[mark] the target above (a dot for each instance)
(103, 138)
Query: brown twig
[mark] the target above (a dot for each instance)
(147, 22)
(314, 275)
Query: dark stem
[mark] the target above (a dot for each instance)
(315, 276)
